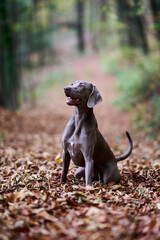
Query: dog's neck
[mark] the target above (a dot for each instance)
(81, 115)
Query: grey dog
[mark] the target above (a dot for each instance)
(83, 143)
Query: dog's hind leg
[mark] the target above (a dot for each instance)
(110, 174)
(80, 172)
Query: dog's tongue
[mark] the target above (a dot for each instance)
(72, 101)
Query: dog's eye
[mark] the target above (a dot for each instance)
(81, 85)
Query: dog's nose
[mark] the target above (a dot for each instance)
(67, 89)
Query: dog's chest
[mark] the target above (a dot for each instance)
(73, 146)
(74, 149)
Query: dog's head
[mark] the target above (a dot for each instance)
(82, 93)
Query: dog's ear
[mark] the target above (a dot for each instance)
(94, 97)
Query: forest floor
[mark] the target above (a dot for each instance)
(33, 202)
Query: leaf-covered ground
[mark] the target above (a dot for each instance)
(33, 202)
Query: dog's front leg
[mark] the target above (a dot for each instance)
(66, 162)
(89, 166)
(87, 151)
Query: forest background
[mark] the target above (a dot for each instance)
(126, 33)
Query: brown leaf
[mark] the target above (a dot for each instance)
(43, 214)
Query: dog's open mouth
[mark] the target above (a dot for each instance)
(73, 101)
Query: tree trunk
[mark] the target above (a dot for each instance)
(9, 81)
(103, 5)
(80, 25)
(155, 7)
(135, 24)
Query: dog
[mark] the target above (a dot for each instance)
(82, 141)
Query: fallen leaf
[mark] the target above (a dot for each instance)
(115, 187)
(46, 216)
(58, 158)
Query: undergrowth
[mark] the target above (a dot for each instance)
(138, 82)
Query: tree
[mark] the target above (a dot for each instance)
(80, 24)
(9, 76)
(155, 7)
(24, 31)
(103, 5)
(129, 13)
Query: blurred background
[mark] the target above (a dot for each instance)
(39, 40)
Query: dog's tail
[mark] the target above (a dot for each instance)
(129, 151)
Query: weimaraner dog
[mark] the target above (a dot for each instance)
(83, 143)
